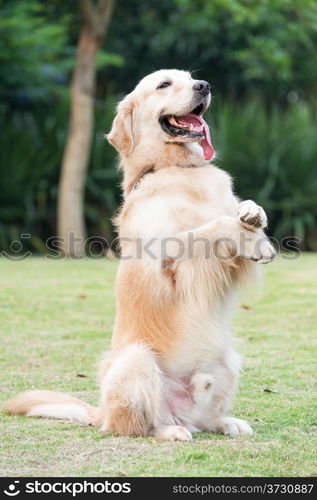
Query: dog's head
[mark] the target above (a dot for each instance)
(165, 106)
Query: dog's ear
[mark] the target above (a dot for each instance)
(121, 134)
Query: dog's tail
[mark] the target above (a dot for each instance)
(52, 404)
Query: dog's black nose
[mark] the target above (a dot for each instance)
(202, 87)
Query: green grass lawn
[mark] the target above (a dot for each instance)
(56, 318)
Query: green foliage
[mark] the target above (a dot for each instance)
(272, 154)
(268, 46)
(240, 45)
(31, 148)
(37, 46)
(260, 57)
(33, 49)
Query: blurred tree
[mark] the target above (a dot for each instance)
(71, 226)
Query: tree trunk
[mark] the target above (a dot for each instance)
(70, 212)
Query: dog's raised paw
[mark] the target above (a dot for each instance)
(252, 215)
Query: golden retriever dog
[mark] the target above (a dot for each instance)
(187, 244)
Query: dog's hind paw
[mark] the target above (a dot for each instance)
(173, 433)
(231, 426)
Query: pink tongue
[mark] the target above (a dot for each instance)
(197, 121)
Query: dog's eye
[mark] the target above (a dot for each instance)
(163, 85)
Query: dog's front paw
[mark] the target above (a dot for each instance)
(231, 426)
(251, 215)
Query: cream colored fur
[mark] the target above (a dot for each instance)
(173, 368)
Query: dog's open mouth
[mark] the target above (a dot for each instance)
(191, 126)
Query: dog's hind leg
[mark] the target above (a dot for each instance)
(132, 389)
(226, 376)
